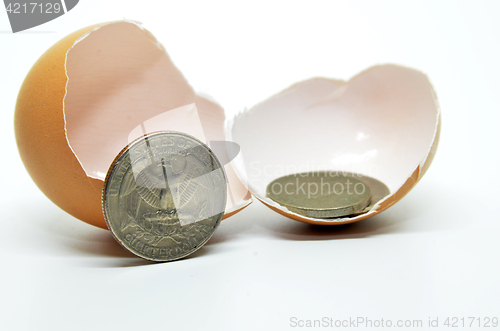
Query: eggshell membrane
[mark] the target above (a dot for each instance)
(84, 97)
(383, 123)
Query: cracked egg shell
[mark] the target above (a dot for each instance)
(383, 123)
(91, 94)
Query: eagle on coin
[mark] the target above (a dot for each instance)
(175, 191)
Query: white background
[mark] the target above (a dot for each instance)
(435, 254)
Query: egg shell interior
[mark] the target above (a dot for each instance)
(383, 123)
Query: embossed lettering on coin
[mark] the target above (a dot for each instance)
(164, 196)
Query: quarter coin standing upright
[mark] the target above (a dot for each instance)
(164, 196)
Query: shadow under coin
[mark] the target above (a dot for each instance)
(72, 235)
(65, 234)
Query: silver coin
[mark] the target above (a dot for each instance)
(164, 196)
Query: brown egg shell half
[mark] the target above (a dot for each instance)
(91, 94)
(383, 123)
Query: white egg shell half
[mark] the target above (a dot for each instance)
(383, 123)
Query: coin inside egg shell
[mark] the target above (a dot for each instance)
(383, 123)
(94, 92)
